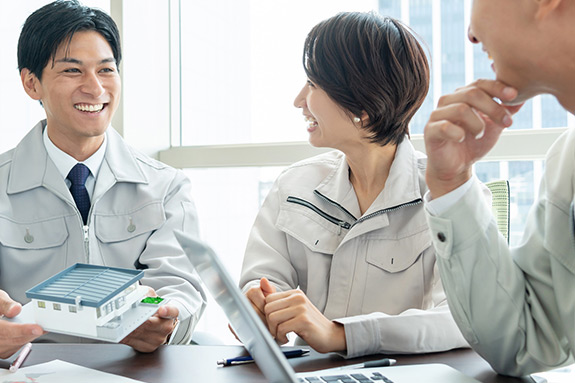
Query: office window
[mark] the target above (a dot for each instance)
(420, 13)
(227, 201)
(242, 67)
(524, 178)
(240, 72)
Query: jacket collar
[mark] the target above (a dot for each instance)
(32, 168)
(402, 184)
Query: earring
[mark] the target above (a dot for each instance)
(356, 120)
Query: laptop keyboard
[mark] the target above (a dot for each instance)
(351, 378)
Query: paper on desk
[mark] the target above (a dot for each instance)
(58, 371)
(561, 375)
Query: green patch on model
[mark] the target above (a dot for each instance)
(152, 300)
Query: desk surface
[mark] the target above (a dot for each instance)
(169, 364)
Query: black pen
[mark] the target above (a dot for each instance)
(248, 359)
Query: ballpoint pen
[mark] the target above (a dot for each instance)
(374, 363)
(249, 359)
(21, 357)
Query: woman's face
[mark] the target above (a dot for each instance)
(328, 123)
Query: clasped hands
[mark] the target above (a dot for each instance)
(292, 311)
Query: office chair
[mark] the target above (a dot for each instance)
(500, 205)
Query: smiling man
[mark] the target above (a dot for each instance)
(516, 306)
(74, 191)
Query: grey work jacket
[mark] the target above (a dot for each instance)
(375, 273)
(136, 205)
(515, 306)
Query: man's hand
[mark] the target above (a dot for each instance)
(293, 311)
(155, 331)
(463, 128)
(14, 335)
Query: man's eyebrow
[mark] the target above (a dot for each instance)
(76, 61)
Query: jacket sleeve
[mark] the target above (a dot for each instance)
(267, 251)
(502, 299)
(412, 331)
(167, 268)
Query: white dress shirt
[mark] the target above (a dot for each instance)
(64, 162)
(440, 205)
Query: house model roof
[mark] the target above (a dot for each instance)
(92, 283)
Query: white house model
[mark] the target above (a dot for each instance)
(93, 301)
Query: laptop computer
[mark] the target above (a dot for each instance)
(265, 351)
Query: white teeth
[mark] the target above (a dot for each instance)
(89, 108)
(311, 121)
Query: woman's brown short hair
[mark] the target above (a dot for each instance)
(366, 62)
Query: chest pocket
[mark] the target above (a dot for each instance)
(310, 228)
(122, 227)
(399, 254)
(33, 236)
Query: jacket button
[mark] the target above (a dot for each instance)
(441, 237)
(131, 227)
(28, 238)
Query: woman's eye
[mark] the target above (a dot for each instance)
(309, 83)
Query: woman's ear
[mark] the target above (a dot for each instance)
(31, 84)
(546, 7)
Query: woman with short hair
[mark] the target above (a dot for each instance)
(340, 252)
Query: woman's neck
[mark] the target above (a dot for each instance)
(368, 171)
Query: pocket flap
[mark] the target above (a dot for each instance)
(121, 227)
(36, 235)
(401, 254)
(314, 231)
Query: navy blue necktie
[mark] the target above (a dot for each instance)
(78, 176)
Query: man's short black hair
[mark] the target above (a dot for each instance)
(49, 27)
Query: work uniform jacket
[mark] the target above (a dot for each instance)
(136, 205)
(375, 273)
(516, 307)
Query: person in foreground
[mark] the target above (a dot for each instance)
(125, 212)
(516, 306)
(341, 240)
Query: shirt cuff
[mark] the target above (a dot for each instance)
(440, 205)
(362, 336)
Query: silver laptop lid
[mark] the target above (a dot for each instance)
(246, 324)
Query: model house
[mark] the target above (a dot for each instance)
(92, 301)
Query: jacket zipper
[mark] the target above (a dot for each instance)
(334, 204)
(342, 224)
(347, 225)
(387, 210)
(87, 242)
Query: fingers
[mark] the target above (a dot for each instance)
(8, 307)
(257, 299)
(150, 335)
(266, 287)
(14, 335)
(151, 292)
(168, 311)
(466, 111)
(281, 311)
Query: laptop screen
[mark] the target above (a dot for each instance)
(246, 324)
